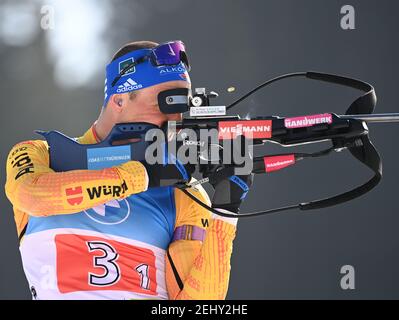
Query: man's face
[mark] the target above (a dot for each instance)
(143, 107)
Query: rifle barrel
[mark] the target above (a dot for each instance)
(371, 118)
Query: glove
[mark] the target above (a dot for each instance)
(230, 189)
(160, 175)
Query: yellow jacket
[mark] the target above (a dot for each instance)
(190, 267)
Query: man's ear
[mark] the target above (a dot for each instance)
(116, 102)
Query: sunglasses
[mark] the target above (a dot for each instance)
(166, 54)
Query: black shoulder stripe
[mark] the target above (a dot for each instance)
(178, 279)
(22, 233)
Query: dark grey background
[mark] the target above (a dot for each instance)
(292, 255)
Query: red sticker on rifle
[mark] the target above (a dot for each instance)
(251, 129)
(278, 162)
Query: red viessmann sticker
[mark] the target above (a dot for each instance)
(251, 129)
(278, 162)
